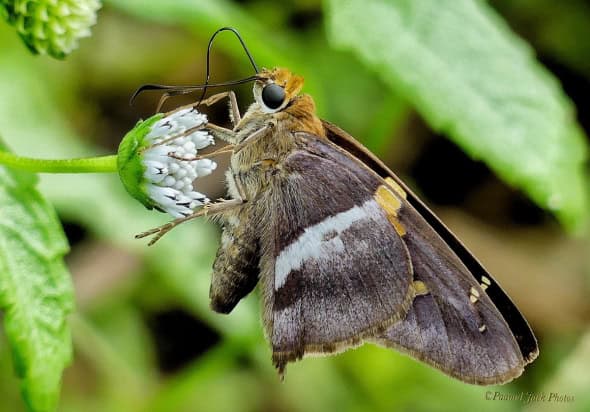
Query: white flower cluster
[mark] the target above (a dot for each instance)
(170, 180)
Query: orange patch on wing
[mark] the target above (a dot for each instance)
(395, 186)
(391, 205)
(420, 288)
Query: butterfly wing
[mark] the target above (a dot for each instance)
(334, 269)
(453, 324)
(463, 323)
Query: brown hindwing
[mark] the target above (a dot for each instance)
(482, 318)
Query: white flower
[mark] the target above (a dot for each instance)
(161, 143)
(170, 180)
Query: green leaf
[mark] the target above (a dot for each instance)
(35, 289)
(470, 77)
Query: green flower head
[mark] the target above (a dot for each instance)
(51, 26)
(157, 161)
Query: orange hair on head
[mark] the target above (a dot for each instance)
(292, 83)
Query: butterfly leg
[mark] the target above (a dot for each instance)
(218, 132)
(234, 110)
(253, 137)
(223, 150)
(210, 209)
(231, 136)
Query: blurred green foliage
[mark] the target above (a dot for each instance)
(79, 107)
(35, 288)
(473, 80)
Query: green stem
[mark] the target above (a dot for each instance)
(101, 164)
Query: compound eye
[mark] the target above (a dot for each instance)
(273, 96)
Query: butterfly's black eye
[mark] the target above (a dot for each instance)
(273, 96)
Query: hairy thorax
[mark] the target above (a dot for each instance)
(259, 162)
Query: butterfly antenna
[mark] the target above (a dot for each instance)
(177, 90)
(209, 47)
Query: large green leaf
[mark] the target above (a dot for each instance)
(470, 77)
(35, 289)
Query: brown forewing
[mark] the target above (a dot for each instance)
(350, 281)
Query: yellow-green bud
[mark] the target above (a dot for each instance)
(51, 26)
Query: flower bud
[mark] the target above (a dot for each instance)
(51, 26)
(150, 161)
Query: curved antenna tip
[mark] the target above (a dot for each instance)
(174, 90)
(142, 89)
(242, 42)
